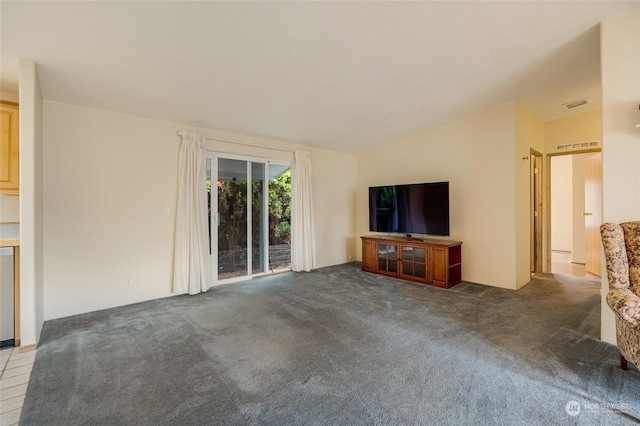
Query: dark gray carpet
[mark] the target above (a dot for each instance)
(337, 346)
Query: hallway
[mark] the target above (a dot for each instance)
(561, 264)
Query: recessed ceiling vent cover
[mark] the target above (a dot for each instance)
(576, 104)
(578, 146)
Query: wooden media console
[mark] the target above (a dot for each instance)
(432, 262)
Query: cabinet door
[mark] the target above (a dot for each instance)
(9, 150)
(369, 256)
(439, 266)
(413, 265)
(387, 259)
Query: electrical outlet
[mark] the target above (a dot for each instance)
(350, 257)
(128, 280)
(165, 211)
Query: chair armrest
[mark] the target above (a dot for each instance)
(625, 304)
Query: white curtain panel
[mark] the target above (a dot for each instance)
(191, 254)
(302, 237)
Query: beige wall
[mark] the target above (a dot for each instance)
(476, 155)
(561, 202)
(108, 177)
(334, 186)
(620, 65)
(529, 134)
(31, 205)
(583, 127)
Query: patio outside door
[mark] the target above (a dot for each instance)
(245, 215)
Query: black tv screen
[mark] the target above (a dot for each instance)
(421, 208)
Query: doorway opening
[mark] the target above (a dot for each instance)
(574, 212)
(249, 201)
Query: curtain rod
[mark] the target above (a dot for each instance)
(256, 145)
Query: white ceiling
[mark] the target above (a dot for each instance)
(340, 75)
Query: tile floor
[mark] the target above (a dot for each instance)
(15, 370)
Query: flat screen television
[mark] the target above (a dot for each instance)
(421, 208)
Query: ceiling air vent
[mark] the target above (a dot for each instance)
(576, 104)
(578, 146)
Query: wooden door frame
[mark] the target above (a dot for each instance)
(547, 209)
(536, 249)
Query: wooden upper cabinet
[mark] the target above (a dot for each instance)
(9, 150)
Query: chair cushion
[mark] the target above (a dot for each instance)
(632, 242)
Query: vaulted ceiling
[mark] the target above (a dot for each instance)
(339, 75)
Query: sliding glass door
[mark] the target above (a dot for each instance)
(279, 216)
(233, 211)
(257, 228)
(249, 216)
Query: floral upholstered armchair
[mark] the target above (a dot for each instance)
(622, 251)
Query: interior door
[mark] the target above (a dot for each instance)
(593, 213)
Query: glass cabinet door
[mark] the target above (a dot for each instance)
(414, 263)
(388, 258)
